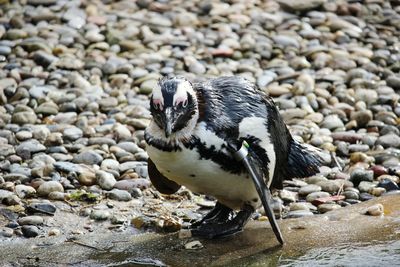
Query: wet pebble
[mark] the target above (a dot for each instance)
(100, 215)
(120, 195)
(30, 231)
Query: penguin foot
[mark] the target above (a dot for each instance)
(220, 213)
(214, 229)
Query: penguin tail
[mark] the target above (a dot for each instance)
(303, 160)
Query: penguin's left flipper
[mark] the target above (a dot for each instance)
(160, 182)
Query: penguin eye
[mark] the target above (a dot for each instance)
(185, 103)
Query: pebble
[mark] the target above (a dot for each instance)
(299, 214)
(308, 189)
(51, 186)
(366, 186)
(120, 195)
(88, 157)
(30, 231)
(194, 245)
(328, 207)
(31, 220)
(375, 210)
(24, 191)
(6, 232)
(315, 195)
(360, 175)
(287, 196)
(105, 180)
(100, 215)
(76, 81)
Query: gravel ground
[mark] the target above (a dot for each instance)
(75, 78)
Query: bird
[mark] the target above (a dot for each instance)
(188, 142)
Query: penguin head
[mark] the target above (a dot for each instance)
(173, 105)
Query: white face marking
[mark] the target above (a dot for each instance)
(180, 96)
(255, 126)
(158, 99)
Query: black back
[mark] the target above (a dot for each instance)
(224, 102)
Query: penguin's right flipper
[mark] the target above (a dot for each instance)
(160, 182)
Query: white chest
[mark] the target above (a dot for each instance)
(204, 176)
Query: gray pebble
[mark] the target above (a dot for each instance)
(120, 195)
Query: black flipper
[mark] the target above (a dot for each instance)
(160, 182)
(259, 183)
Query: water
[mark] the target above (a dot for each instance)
(354, 255)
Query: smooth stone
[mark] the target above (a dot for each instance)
(128, 185)
(44, 207)
(5, 194)
(389, 140)
(375, 210)
(24, 117)
(23, 135)
(329, 186)
(101, 141)
(129, 147)
(299, 214)
(87, 176)
(287, 196)
(301, 6)
(43, 58)
(351, 195)
(56, 196)
(6, 232)
(116, 219)
(147, 86)
(88, 157)
(315, 179)
(5, 50)
(54, 232)
(360, 175)
(13, 177)
(109, 164)
(120, 195)
(47, 109)
(308, 189)
(105, 180)
(72, 133)
(299, 206)
(366, 196)
(48, 187)
(6, 150)
(328, 207)
(332, 122)
(377, 191)
(66, 166)
(30, 231)
(388, 184)
(31, 220)
(130, 165)
(315, 195)
(24, 191)
(365, 186)
(31, 146)
(100, 215)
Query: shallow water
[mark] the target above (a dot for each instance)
(380, 254)
(369, 254)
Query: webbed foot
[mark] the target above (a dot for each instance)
(217, 229)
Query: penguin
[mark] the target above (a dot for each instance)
(188, 143)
